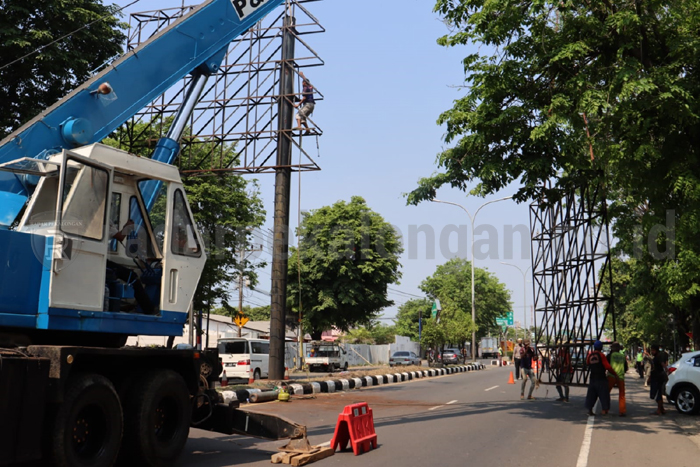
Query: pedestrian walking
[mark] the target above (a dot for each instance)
(566, 372)
(598, 382)
(658, 378)
(647, 367)
(618, 361)
(640, 363)
(516, 357)
(527, 356)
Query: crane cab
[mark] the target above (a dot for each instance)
(106, 243)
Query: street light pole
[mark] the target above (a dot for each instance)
(524, 293)
(472, 219)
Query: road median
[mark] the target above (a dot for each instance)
(331, 385)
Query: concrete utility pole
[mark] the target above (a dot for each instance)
(283, 174)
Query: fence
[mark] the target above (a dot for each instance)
(359, 354)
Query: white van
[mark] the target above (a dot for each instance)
(244, 358)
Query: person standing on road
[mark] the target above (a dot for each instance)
(598, 384)
(566, 372)
(527, 355)
(619, 363)
(658, 378)
(516, 357)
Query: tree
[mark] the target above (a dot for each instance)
(433, 335)
(561, 94)
(35, 72)
(225, 206)
(383, 334)
(451, 284)
(259, 313)
(349, 255)
(406, 323)
(458, 328)
(359, 335)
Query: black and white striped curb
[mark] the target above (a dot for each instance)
(353, 383)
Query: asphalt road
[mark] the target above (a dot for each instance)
(474, 418)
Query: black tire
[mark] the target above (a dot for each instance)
(345, 367)
(87, 428)
(687, 400)
(157, 415)
(256, 374)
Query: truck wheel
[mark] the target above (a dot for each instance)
(157, 415)
(87, 428)
(256, 375)
(345, 367)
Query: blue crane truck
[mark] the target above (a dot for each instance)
(96, 245)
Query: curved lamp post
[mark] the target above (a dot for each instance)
(472, 219)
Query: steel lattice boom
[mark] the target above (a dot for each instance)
(570, 242)
(238, 110)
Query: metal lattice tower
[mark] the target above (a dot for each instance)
(571, 257)
(238, 110)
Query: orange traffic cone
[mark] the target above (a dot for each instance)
(224, 380)
(251, 378)
(286, 373)
(511, 380)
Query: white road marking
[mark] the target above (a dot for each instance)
(489, 389)
(451, 402)
(586, 444)
(436, 407)
(323, 445)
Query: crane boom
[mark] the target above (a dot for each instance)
(196, 43)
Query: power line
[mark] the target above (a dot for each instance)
(405, 293)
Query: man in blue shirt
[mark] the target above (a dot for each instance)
(307, 104)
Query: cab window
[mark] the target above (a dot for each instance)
(114, 219)
(84, 200)
(184, 238)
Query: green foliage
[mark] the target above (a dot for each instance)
(383, 334)
(406, 323)
(644, 310)
(433, 335)
(359, 335)
(451, 284)
(34, 83)
(225, 206)
(458, 328)
(259, 313)
(559, 94)
(349, 255)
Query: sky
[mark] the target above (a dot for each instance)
(386, 82)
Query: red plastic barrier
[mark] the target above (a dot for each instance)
(355, 424)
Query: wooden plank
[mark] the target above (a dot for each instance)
(303, 459)
(277, 458)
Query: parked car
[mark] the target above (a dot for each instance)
(451, 356)
(683, 386)
(244, 358)
(404, 358)
(326, 356)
